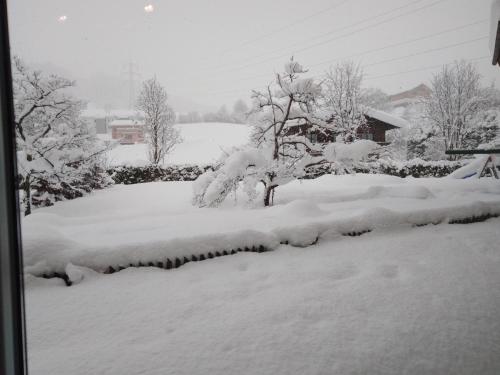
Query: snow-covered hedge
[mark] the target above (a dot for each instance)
(415, 168)
(46, 191)
(134, 175)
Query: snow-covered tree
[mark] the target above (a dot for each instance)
(485, 129)
(455, 99)
(342, 98)
(425, 142)
(278, 153)
(58, 152)
(159, 120)
(374, 98)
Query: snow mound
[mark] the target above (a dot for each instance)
(100, 258)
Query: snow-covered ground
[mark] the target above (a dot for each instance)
(397, 301)
(400, 299)
(203, 143)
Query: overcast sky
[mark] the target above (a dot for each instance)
(211, 52)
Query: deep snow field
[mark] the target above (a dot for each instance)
(402, 299)
(202, 143)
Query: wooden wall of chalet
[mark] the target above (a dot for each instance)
(375, 127)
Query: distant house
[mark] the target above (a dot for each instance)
(127, 131)
(377, 124)
(101, 119)
(495, 32)
(419, 92)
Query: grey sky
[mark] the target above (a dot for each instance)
(213, 52)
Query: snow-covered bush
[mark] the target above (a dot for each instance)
(128, 175)
(59, 155)
(415, 168)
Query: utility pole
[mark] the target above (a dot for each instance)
(132, 74)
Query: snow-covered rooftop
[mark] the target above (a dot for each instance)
(495, 19)
(387, 118)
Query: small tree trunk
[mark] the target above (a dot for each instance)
(267, 196)
(27, 196)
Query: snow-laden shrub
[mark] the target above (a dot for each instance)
(414, 168)
(247, 167)
(129, 175)
(46, 190)
(59, 155)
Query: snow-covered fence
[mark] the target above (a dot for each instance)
(134, 175)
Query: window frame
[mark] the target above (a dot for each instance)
(12, 318)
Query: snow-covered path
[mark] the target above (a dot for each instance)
(402, 301)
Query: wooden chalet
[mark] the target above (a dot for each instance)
(377, 124)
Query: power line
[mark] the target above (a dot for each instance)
(285, 27)
(333, 31)
(426, 51)
(428, 36)
(425, 68)
(380, 62)
(395, 45)
(346, 34)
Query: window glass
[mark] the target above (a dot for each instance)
(178, 217)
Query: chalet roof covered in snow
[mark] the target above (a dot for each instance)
(389, 119)
(495, 31)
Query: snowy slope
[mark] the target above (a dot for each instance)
(412, 301)
(203, 143)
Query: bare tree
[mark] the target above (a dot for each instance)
(456, 98)
(55, 147)
(342, 97)
(159, 119)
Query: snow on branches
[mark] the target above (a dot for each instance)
(280, 149)
(159, 118)
(342, 98)
(56, 149)
(456, 99)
